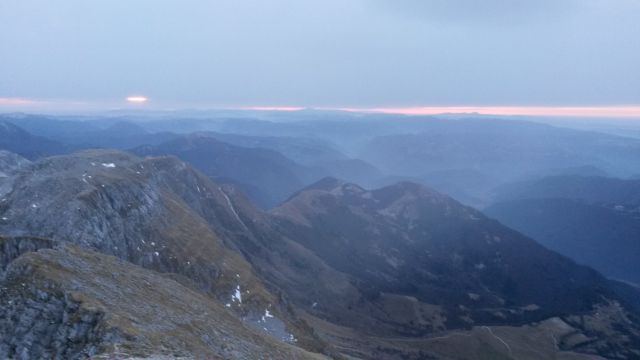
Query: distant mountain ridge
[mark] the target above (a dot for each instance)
(17, 140)
(590, 189)
(266, 175)
(594, 220)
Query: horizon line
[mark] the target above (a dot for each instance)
(596, 111)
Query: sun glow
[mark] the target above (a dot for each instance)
(137, 99)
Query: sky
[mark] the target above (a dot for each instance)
(343, 54)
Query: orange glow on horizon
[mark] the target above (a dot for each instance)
(16, 102)
(603, 111)
(273, 108)
(560, 111)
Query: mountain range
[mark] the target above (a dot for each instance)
(344, 237)
(329, 270)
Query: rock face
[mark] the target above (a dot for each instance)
(12, 248)
(10, 162)
(157, 213)
(68, 303)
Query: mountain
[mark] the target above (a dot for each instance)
(394, 273)
(60, 301)
(120, 135)
(409, 248)
(55, 127)
(302, 150)
(604, 238)
(10, 162)
(590, 189)
(594, 220)
(492, 146)
(318, 155)
(500, 151)
(23, 143)
(265, 175)
(157, 213)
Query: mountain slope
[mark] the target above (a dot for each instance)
(393, 273)
(593, 219)
(157, 213)
(589, 189)
(407, 244)
(267, 176)
(601, 237)
(10, 162)
(63, 302)
(302, 150)
(319, 156)
(21, 142)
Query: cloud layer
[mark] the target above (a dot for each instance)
(335, 53)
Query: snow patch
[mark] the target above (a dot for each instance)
(237, 295)
(109, 165)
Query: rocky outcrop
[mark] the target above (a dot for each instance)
(69, 303)
(12, 248)
(10, 162)
(157, 213)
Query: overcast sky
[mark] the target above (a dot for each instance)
(332, 53)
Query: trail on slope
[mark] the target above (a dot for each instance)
(233, 209)
(498, 338)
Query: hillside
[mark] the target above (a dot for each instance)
(157, 213)
(407, 246)
(63, 302)
(17, 140)
(392, 273)
(589, 189)
(265, 175)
